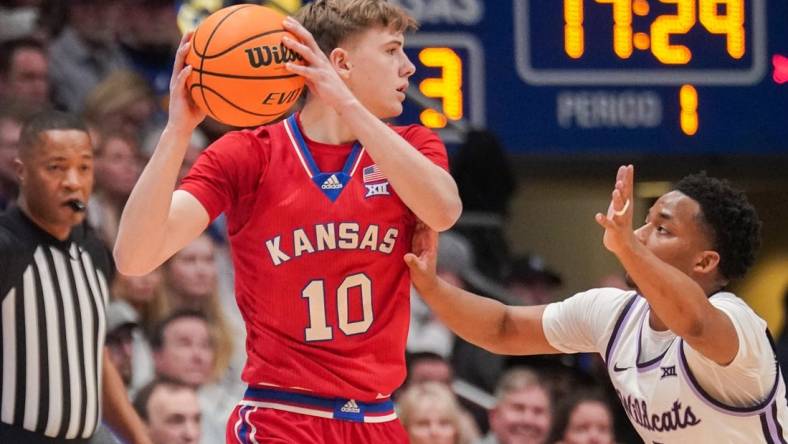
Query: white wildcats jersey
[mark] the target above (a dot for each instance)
(666, 404)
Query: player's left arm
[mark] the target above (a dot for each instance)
(677, 300)
(427, 189)
(118, 412)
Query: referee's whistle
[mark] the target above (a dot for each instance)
(76, 205)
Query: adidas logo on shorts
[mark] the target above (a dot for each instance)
(332, 183)
(350, 407)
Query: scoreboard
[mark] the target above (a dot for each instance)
(604, 76)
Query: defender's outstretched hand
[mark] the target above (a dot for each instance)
(321, 77)
(422, 260)
(618, 221)
(184, 115)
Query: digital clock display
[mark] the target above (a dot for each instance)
(615, 42)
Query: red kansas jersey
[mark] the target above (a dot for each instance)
(317, 236)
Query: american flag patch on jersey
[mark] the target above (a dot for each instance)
(372, 174)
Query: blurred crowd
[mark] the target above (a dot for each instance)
(176, 334)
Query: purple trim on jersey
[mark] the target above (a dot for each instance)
(767, 434)
(717, 405)
(777, 423)
(654, 363)
(611, 344)
(778, 428)
(772, 431)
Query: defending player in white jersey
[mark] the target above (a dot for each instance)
(690, 361)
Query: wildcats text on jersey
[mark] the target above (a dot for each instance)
(331, 236)
(675, 418)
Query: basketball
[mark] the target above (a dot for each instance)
(238, 66)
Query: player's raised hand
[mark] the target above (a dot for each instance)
(422, 260)
(184, 115)
(618, 220)
(321, 77)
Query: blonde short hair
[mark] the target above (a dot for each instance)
(439, 395)
(516, 379)
(332, 22)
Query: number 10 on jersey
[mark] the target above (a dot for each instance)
(315, 293)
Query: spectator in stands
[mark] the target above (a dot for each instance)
(523, 412)
(123, 102)
(121, 323)
(171, 411)
(12, 116)
(140, 292)
(191, 282)
(85, 52)
(185, 350)
(428, 367)
(531, 282)
(24, 71)
(117, 164)
(431, 415)
(149, 38)
(584, 418)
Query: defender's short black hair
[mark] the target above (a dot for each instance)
(732, 221)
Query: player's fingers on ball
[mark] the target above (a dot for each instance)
(184, 74)
(180, 57)
(300, 48)
(301, 70)
(183, 49)
(185, 37)
(302, 33)
(293, 26)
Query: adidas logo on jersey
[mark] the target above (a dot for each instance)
(332, 183)
(350, 407)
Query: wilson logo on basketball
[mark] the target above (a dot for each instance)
(265, 55)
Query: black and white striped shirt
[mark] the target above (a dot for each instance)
(54, 297)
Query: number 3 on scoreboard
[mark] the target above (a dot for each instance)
(315, 293)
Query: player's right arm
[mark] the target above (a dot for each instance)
(481, 321)
(157, 222)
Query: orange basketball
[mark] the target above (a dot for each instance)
(238, 66)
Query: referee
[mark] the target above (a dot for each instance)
(54, 274)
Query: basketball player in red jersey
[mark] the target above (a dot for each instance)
(321, 208)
